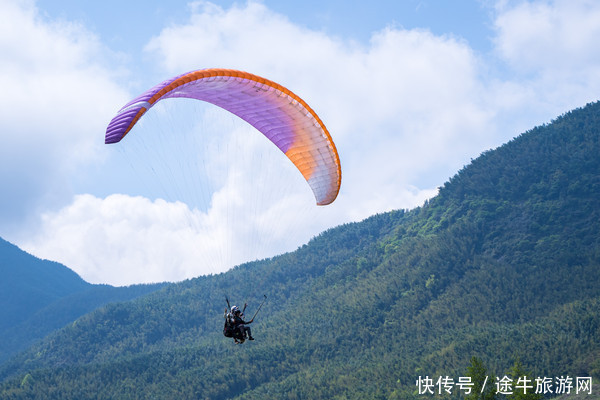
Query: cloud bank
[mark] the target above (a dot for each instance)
(407, 110)
(57, 91)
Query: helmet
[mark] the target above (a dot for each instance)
(234, 309)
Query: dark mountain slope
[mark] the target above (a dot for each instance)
(29, 284)
(39, 296)
(503, 264)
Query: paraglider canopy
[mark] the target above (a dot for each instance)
(279, 114)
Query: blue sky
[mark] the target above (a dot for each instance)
(411, 91)
(356, 20)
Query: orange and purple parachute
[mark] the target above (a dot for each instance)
(283, 117)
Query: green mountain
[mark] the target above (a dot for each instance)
(39, 296)
(502, 265)
(29, 284)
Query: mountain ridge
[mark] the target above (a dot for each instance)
(35, 277)
(38, 296)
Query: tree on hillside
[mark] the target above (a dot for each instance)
(482, 388)
(523, 383)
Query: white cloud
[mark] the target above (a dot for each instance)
(121, 239)
(57, 93)
(550, 35)
(553, 53)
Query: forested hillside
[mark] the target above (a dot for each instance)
(29, 284)
(39, 296)
(502, 265)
